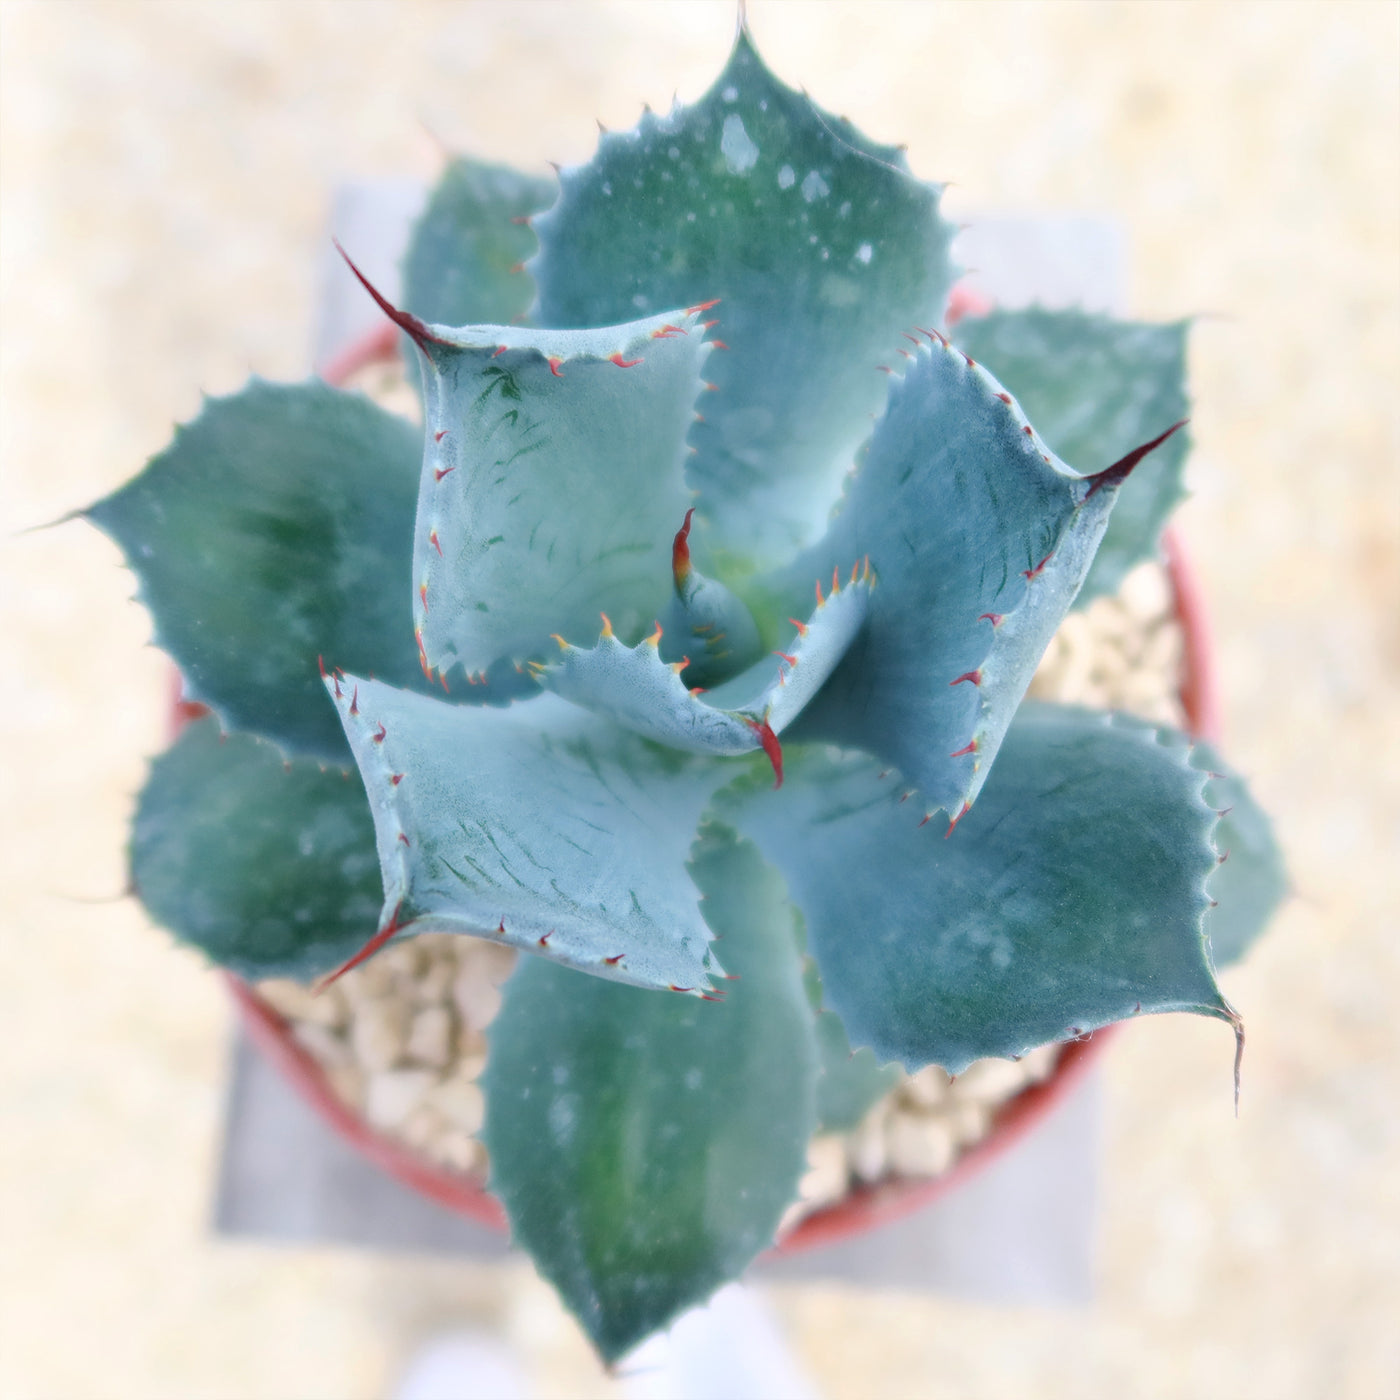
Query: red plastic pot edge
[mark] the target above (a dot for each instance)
(867, 1207)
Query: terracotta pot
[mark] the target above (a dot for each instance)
(866, 1207)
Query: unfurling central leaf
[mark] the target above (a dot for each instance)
(634, 687)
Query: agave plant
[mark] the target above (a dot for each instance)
(721, 708)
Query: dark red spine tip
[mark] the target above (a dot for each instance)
(1118, 472)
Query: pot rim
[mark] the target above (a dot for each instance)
(866, 1207)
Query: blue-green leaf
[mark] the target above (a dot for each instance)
(1251, 881)
(464, 263)
(1095, 388)
(634, 687)
(537, 826)
(979, 537)
(266, 866)
(645, 1145)
(851, 1080)
(552, 482)
(707, 626)
(275, 527)
(1071, 896)
(821, 248)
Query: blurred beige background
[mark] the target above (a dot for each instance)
(164, 177)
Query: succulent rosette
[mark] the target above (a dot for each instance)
(695, 664)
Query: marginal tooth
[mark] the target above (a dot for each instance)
(607, 625)
(563, 645)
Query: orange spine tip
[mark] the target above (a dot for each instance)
(697, 690)
(974, 676)
(396, 778)
(500, 350)
(711, 388)
(355, 702)
(820, 600)
(801, 626)
(962, 812)
(423, 595)
(440, 434)
(655, 638)
(440, 472)
(855, 571)
(966, 749)
(703, 306)
(718, 345)
(835, 579)
(378, 736)
(404, 839)
(787, 656)
(607, 625)
(613, 961)
(563, 645)
(624, 364)
(554, 362)
(679, 666)
(433, 540)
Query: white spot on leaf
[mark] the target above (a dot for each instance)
(786, 177)
(814, 187)
(864, 253)
(740, 153)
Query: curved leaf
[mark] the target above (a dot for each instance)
(980, 539)
(275, 527)
(1095, 388)
(552, 481)
(851, 1080)
(267, 866)
(819, 244)
(464, 265)
(535, 826)
(707, 626)
(634, 687)
(1071, 896)
(645, 1146)
(1250, 882)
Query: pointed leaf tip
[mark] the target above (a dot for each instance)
(415, 329)
(1122, 468)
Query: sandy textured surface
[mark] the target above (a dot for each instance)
(165, 170)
